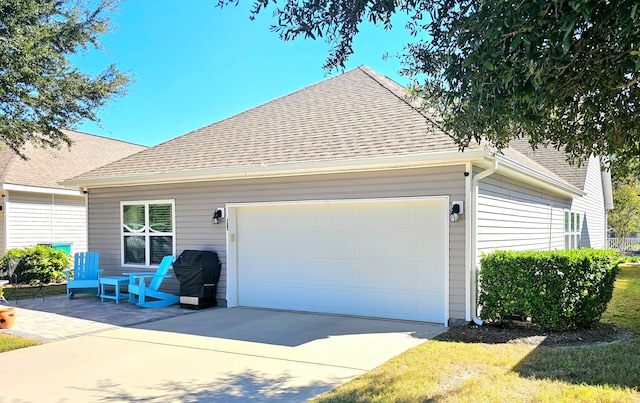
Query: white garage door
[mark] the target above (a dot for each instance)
(382, 258)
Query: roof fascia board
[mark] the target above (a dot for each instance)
(314, 168)
(38, 189)
(481, 157)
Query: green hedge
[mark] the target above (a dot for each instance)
(556, 289)
(37, 264)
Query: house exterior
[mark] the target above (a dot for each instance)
(338, 198)
(36, 209)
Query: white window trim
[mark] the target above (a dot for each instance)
(574, 234)
(147, 248)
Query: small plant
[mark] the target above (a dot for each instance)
(37, 264)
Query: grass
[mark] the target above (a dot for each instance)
(8, 342)
(475, 372)
(24, 292)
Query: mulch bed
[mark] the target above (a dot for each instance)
(513, 332)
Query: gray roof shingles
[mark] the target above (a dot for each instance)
(348, 116)
(46, 167)
(357, 114)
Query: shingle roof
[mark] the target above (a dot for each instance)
(554, 160)
(356, 115)
(47, 167)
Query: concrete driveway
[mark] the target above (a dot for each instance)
(214, 355)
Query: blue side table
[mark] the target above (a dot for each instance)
(116, 282)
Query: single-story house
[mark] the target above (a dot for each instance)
(35, 208)
(341, 198)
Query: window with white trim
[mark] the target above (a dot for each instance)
(572, 222)
(148, 231)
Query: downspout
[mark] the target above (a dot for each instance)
(474, 240)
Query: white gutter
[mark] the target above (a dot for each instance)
(280, 170)
(474, 240)
(38, 189)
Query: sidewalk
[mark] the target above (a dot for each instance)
(59, 318)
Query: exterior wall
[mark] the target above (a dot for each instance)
(3, 233)
(33, 218)
(591, 206)
(196, 202)
(516, 216)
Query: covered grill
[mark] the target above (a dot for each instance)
(198, 272)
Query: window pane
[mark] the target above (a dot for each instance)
(160, 219)
(573, 222)
(161, 246)
(566, 221)
(578, 222)
(133, 218)
(134, 248)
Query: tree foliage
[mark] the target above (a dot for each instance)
(41, 91)
(564, 73)
(624, 219)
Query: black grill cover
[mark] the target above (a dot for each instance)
(198, 272)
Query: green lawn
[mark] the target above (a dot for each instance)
(28, 292)
(474, 372)
(8, 342)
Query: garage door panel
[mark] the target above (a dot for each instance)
(373, 245)
(431, 245)
(320, 245)
(345, 246)
(383, 259)
(345, 273)
(373, 274)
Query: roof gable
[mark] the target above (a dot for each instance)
(357, 114)
(354, 121)
(46, 167)
(554, 160)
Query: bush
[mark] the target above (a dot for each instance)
(556, 289)
(37, 264)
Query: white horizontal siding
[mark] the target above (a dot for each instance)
(196, 202)
(34, 218)
(513, 216)
(3, 237)
(591, 206)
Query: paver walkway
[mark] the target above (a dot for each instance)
(58, 318)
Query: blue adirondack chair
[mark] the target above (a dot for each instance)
(86, 274)
(138, 286)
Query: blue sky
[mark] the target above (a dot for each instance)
(194, 64)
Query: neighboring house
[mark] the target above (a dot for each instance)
(337, 198)
(36, 209)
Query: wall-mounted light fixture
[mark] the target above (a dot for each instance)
(456, 210)
(217, 216)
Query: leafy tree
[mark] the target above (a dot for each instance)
(41, 91)
(564, 73)
(624, 219)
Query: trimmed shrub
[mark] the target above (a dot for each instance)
(556, 289)
(37, 264)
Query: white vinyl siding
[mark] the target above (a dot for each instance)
(513, 216)
(34, 218)
(3, 233)
(196, 202)
(591, 206)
